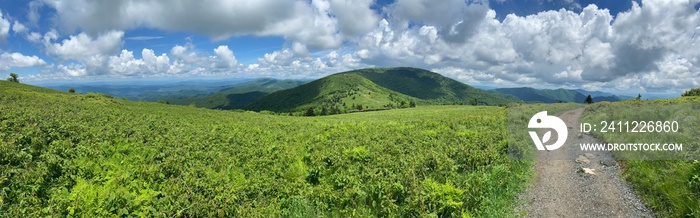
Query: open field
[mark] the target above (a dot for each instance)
(93, 155)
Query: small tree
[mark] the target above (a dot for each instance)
(589, 100)
(474, 102)
(71, 90)
(309, 112)
(13, 78)
(412, 104)
(639, 97)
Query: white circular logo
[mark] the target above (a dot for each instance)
(540, 121)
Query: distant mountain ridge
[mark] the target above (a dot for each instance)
(602, 95)
(150, 90)
(376, 88)
(528, 94)
(239, 95)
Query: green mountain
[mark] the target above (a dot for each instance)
(239, 95)
(376, 88)
(528, 94)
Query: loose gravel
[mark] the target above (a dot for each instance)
(561, 189)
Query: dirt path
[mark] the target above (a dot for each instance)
(561, 189)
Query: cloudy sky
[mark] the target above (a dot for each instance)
(619, 46)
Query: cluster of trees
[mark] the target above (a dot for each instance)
(474, 102)
(692, 92)
(323, 111)
(402, 104)
(336, 109)
(333, 103)
(358, 107)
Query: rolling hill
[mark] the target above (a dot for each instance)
(239, 95)
(376, 88)
(528, 94)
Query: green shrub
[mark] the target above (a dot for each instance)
(691, 92)
(13, 78)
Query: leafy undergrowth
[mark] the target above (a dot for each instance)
(671, 188)
(93, 155)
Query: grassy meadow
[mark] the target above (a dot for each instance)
(66, 154)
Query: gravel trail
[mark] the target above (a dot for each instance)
(562, 189)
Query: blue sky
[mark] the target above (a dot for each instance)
(619, 46)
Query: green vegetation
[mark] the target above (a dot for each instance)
(239, 95)
(71, 90)
(589, 100)
(671, 188)
(375, 88)
(13, 78)
(691, 92)
(94, 155)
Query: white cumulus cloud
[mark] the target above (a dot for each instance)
(18, 27)
(11, 60)
(4, 27)
(354, 16)
(83, 46)
(224, 56)
(591, 48)
(314, 23)
(183, 62)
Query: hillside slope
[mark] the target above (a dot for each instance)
(239, 95)
(376, 88)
